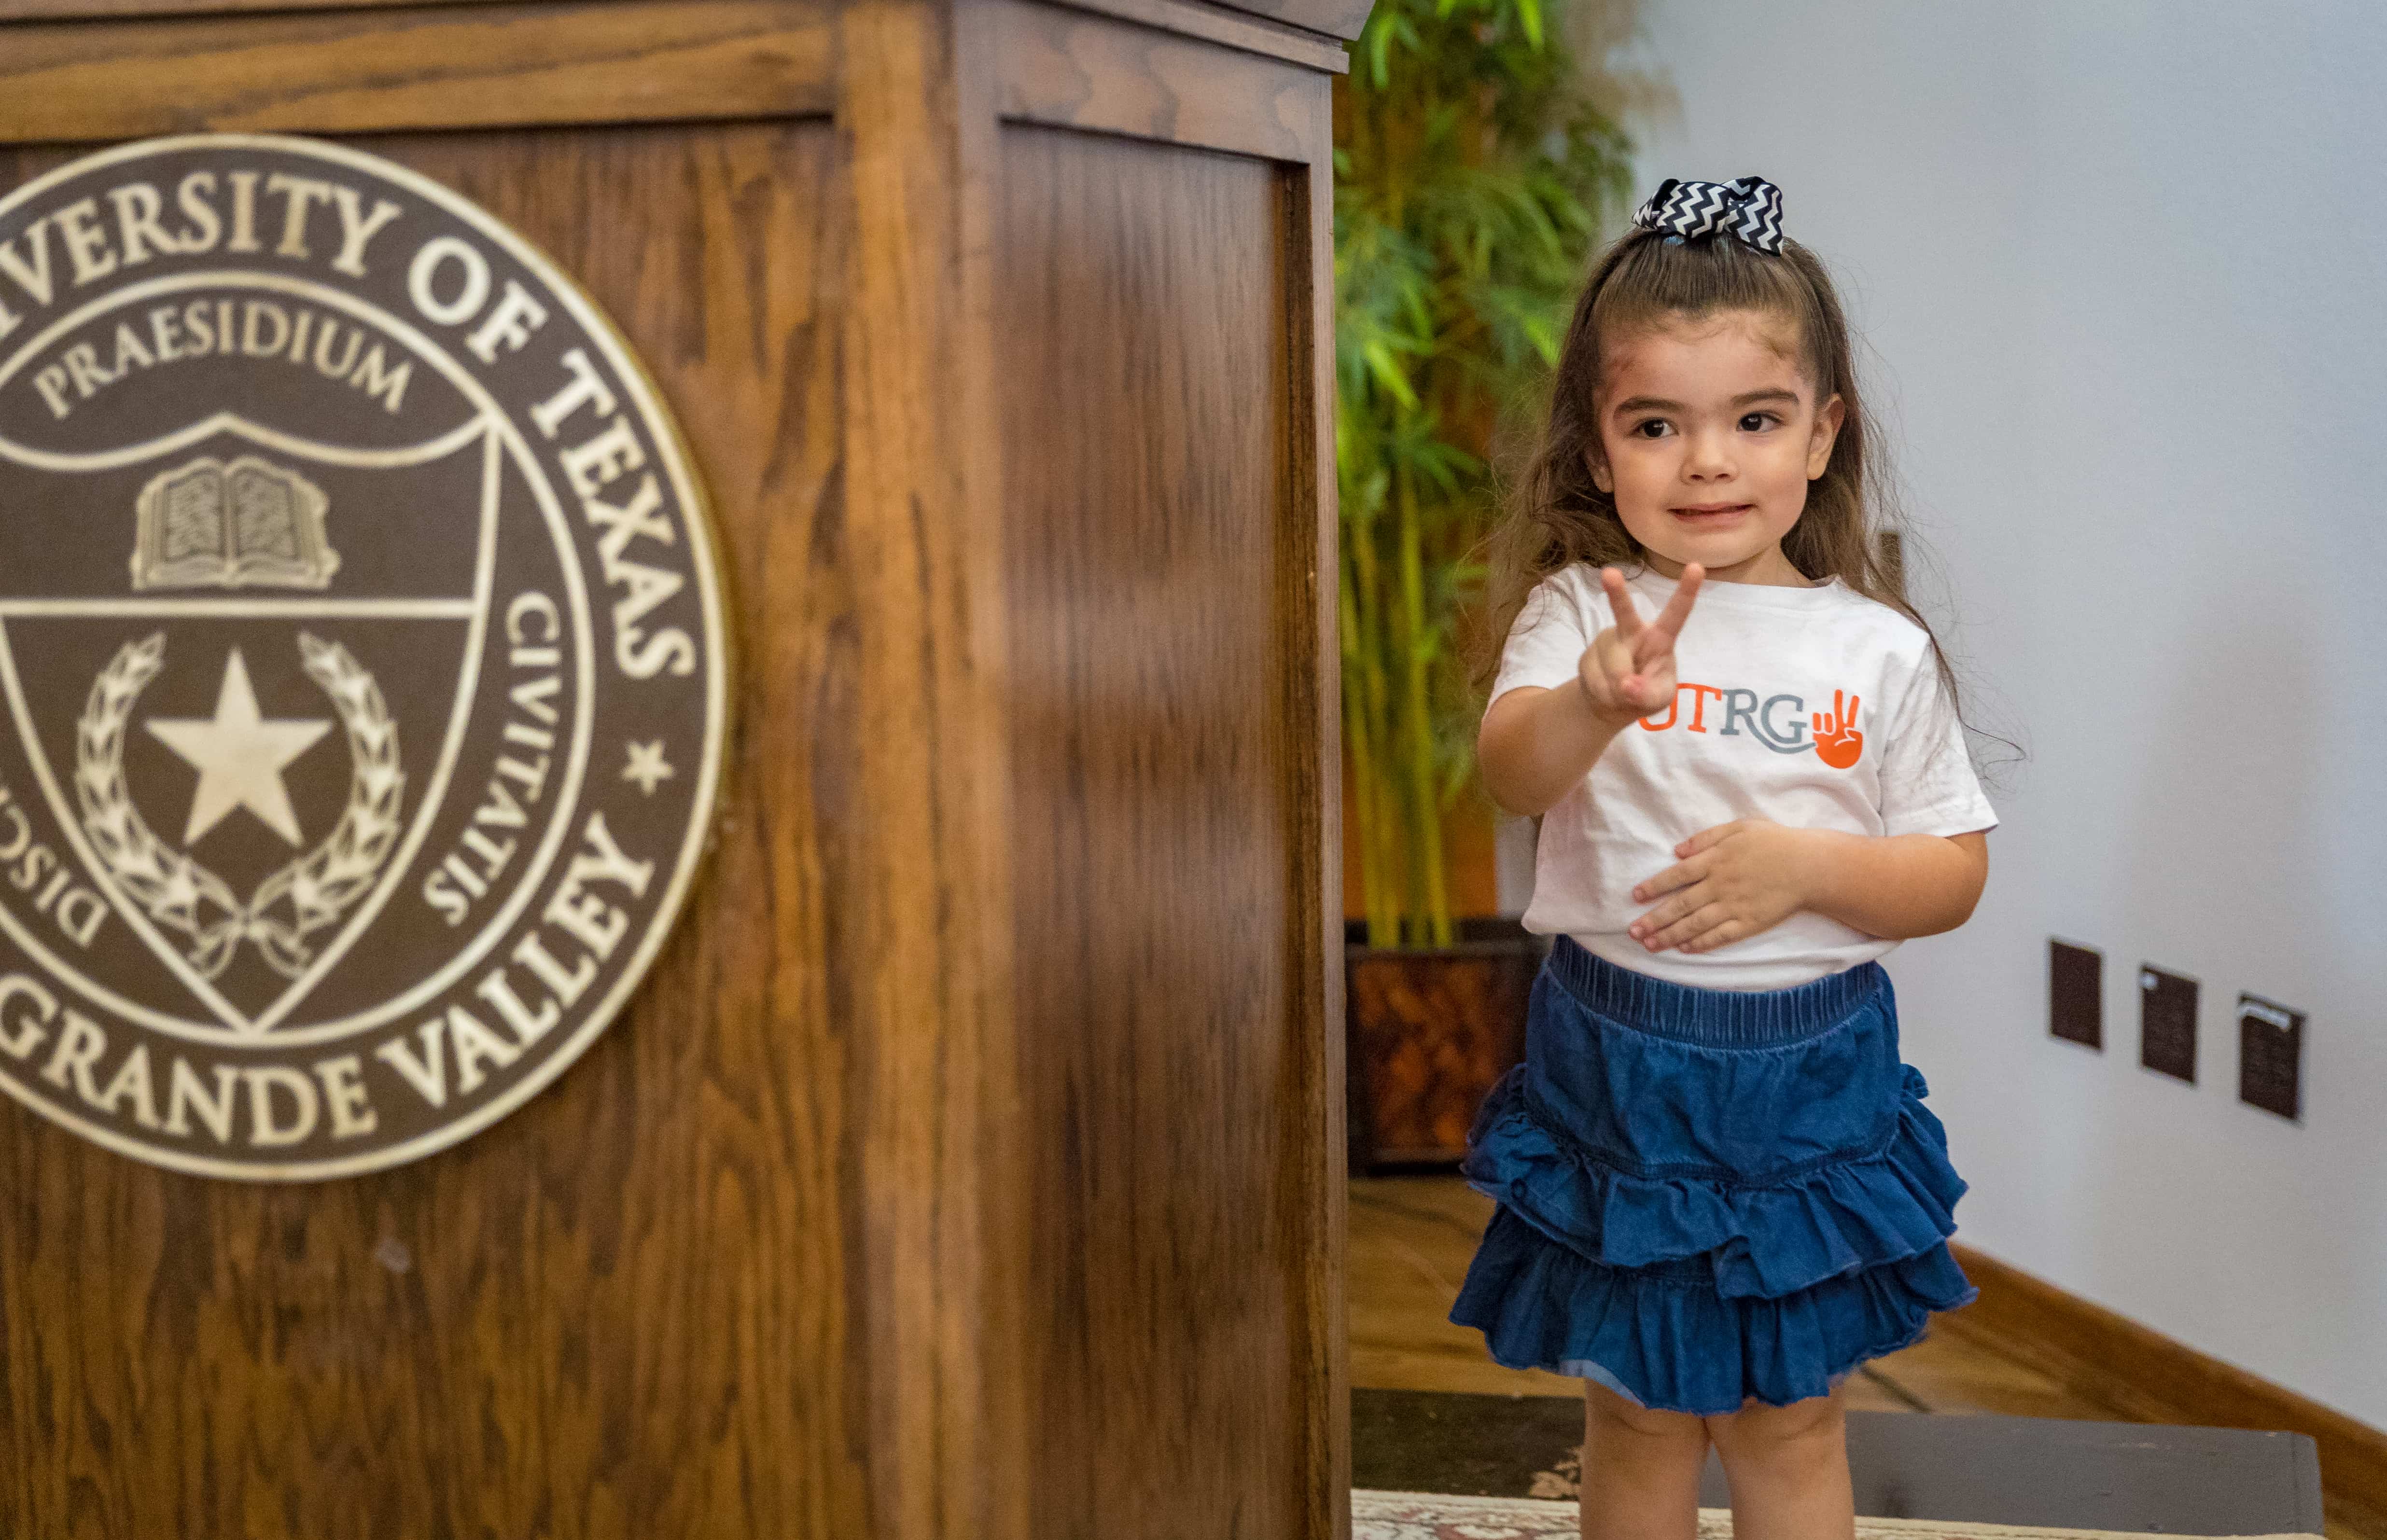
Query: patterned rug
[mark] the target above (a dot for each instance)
(1427, 1516)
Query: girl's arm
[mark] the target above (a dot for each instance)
(1536, 743)
(1899, 885)
(1738, 878)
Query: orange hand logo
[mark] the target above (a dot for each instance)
(1837, 743)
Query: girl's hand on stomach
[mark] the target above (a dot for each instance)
(1734, 880)
(1628, 670)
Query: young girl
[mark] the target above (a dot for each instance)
(1719, 1189)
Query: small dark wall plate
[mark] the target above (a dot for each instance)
(2270, 1054)
(2168, 1022)
(2075, 985)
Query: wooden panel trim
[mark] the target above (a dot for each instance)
(1236, 29)
(452, 66)
(1314, 630)
(1342, 18)
(1069, 69)
(112, 10)
(2112, 1360)
(936, 1088)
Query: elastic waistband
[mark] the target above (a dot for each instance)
(1721, 1018)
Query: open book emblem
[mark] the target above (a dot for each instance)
(172, 730)
(313, 862)
(206, 523)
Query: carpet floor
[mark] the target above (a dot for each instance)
(1433, 1515)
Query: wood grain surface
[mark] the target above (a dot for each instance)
(441, 66)
(1235, 28)
(972, 1160)
(1338, 18)
(1162, 551)
(1323, 1359)
(600, 1317)
(942, 1204)
(70, 10)
(1342, 18)
(1072, 69)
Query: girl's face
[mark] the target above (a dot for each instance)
(1710, 436)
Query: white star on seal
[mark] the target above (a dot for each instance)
(239, 757)
(646, 767)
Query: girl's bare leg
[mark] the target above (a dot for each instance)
(1640, 1470)
(1789, 1467)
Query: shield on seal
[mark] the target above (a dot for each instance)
(363, 673)
(242, 700)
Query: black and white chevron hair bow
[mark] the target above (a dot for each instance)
(1748, 208)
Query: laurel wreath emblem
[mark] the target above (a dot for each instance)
(303, 897)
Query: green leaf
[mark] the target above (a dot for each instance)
(1473, 177)
(1529, 15)
(1387, 371)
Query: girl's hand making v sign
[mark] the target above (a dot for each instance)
(1733, 881)
(1628, 670)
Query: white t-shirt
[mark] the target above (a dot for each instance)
(1763, 676)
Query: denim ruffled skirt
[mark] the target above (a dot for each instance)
(1709, 1195)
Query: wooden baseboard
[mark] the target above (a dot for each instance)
(2147, 1377)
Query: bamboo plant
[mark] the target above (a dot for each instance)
(1472, 176)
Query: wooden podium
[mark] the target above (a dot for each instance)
(969, 1165)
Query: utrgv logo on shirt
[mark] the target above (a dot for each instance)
(1776, 723)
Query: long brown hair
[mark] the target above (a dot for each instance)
(1852, 527)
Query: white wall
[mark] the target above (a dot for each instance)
(2125, 267)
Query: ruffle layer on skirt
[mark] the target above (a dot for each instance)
(1665, 1337)
(1768, 1241)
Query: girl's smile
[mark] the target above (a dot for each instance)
(1709, 436)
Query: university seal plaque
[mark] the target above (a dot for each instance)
(362, 645)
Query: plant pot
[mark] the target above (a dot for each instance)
(1428, 1030)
